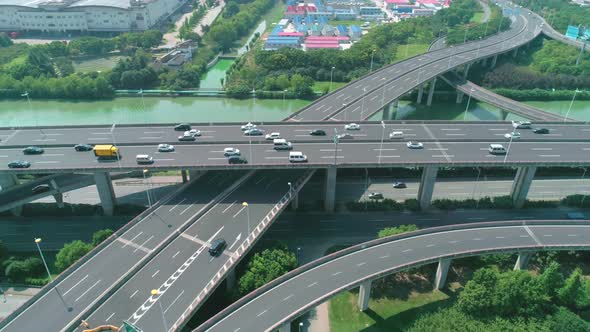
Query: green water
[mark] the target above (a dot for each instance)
(212, 78)
(157, 110)
(580, 108)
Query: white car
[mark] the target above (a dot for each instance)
(165, 148)
(512, 135)
(195, 132)
(231, 152)
(248, 126)
(521, 124)
(272, 136)
(396, 135)
(414, 145)
(352, 126)
(345, 136)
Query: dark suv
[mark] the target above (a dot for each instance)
(236, 160)
(317, 132)
(217, 247)
(182, 127)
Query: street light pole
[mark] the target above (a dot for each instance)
(467, 107)
(156, 292)
(37, 241)
(509, 144)
(245, 204)
(331, 75)
(336, 139)
(571, 104)
(145, 171)
(363, 104)
(582, 181)
(382, 136)
(115, 144)
(372, 56)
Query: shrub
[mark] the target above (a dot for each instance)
(100, 236)
(412, 204)
(70, 253)
(389, 231)
(19, 270)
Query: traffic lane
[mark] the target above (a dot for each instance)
(85, 285)
(323, 154)
(352, 91)
(296, 293)
(233, 230)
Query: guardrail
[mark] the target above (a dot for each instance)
(326, 259)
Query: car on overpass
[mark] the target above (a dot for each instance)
(195, 132)
(33, 150)
(414, 145)
(512, 135)
(83, 147)
(186, 137)
(399, 185)
(236, 159)
(317, 132)
(352, 126)
(254, 132)
(217, 247)
(376, 196)
(228, 152)
(41, 188)
(19, 164)
(182, 127)
(396, 135)
(272, 136)
(541, 131)
(165, 148)
(522, 124)
(248, 126)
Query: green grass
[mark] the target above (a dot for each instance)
(321, 85)
(97, 64)
(274, 15)
(409, 50)
(384, 314)
(477, 17)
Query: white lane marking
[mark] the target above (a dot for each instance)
(453, 242)
(312, 284)
(176, 254)
(107, 133)
(275, 157)
(383, 257)
(542, 149)
(131, 241)
(88, 290)
(475, 218)
(47, 162)
(361, 264)
(132, 295)
(476, 239)
(429, 245)
(428, 219)
(188, 207)
(153, 275)
(549, 155)
(217, 158)
(384, 149)
(454, 134)
(45, 140)
(335, 274)
(572, 235)
(175, 206)
(500, 237)
(111, 316)
(327, 157)
(69, 290)
(153, 132)
(288, 297)
(52, 155)
(330, 150)
(407, 250)
(528, 230)
(440, 149)
(443, 155)
(150, 137)
(450, 129)
(143, 244)
(174, 301)
(390, 156)
(235, 215)
(169, 159)
(262, 313)
(229, 206)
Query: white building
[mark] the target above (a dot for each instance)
(84, 15)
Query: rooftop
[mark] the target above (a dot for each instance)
(124, 4)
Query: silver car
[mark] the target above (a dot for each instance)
(165, 148)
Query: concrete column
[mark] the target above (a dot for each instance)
(330, 191)
(441, 273)
(286, 327)
(515, 52)
(460, 95)
(295, 201)
(427, 186)
(364, 295)
(194, 174)
(466, 72)
(386, 112)
(431, 92)
(522, 261)
(230, 280)
(8, 181)
(522, 183)
(104, 185)
(59, 199)
(504, 114)
(484, 61)
(420, 93)
(184, 175)
(494, 60)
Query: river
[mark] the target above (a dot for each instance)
(205, 109)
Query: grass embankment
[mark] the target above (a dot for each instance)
(477, 17)
(322, 85)
(409, 50)
(97, 64)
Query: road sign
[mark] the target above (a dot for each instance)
(128, 327)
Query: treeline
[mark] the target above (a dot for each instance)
(123, 42)
(186, 30)
(541, 94)
(5, 40)
(515, 77)
(515, 301)
(473, 31)
(558, 13)
(557, 58)
(75, 86)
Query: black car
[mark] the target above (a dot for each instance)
(19, 164)
(376, 196)
(317, 132)
(182, 127)
(41, 188)
(541, 131)
(83, 147)
(236, 160)
(217, 247)
(399, 185)
(33, 150)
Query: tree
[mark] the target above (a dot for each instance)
(389, 231)
(569, 294)
(551, 279)
(70, 253)
(478, 295)
(19, 270)
(5, 40)
(301, 86)
(231, 9)
(566, 321)
(100, 236)
(266, 266)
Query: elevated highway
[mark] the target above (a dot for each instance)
(274, 305)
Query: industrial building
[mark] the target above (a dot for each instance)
(84, 15)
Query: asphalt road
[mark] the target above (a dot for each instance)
(23, 192)
(302, 291)
(89, 282)
(184, 268)
(320, 155)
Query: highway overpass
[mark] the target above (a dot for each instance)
(274, 305)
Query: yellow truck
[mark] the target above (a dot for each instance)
(106, 151)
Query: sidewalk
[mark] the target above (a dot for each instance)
(13, 297)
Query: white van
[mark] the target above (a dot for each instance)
(144, 159)
(297, 157)
(497, 149)
(396, 135)
(282, 144)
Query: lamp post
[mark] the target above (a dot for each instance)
(145, 171)
(582, 181)
(37, 241)
(156, 292)
(115, 144)
(468, 101)
(245, 204)
(478, 47)
(382, 136)
(465, 36)
(514, 125)
(372, 56)
(571, 104)
(300, 326)
(363, 103)
(336, 140)
(290, 187)
(284, 93)
(345, 112)
(331, 75)
(26, 94)
(298, 251)
(475, 186)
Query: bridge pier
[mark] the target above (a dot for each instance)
(466, 71)
(484, 62)
(330, 190)
(515, 52)
(286, 327)
(59, 199)
(522, 261)
(230, 280)
(295, 201)
(431, 92)
(494, 60)
(441, 273)
(7, 181)
(522, 183)
(184, 175)
(392, 106)
(104, 185)
(504, 114)
(420, 93)
(194, 174)
(364, 295)
(427, 186)
(460, 95)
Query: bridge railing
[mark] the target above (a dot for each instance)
(323, 260)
